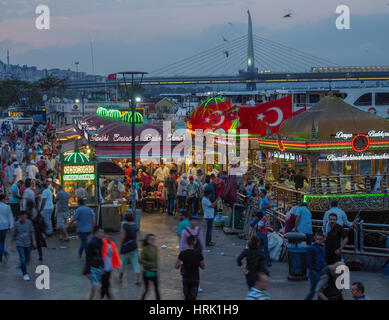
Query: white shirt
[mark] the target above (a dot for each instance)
(162, 174)
(46, 194)
(31, 171)
(342, 218)
(182, 187)
(28, 194)
(6, 217)
(18, 173)
(209, 212)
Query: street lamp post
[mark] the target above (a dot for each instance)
(136, 78)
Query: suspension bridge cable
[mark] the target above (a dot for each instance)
(195, 63)
(277, 57)
(301, 53)
(233, 54)
(218, 47)
(288, 55)
(215, 59)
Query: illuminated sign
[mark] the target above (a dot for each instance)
(116, 137)
(370, 134)
(342, 135)
(72, 177)
(78, 169)
(352, 157)
(360, 143)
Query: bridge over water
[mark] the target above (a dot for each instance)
(250, 59)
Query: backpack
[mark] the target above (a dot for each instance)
(354, 265)
(198, 246)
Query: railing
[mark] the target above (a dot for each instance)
(345, 184)
(361, 232)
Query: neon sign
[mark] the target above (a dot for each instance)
(352, 157)
(78, 169)
(73, 177)
(370, 134)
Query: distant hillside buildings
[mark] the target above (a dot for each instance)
(31, 74)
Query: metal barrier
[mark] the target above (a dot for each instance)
(277, 222)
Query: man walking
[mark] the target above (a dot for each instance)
(47, 208)
(171, 187)
(182, 191)
(24, 239)
(334, 243)
(326, 288)
(6, 224)
(193, 196)
(316, 263)
(209, 215)
(94, 261)
(86, 221)
(191, 259)
(62, 201)
(15, 198)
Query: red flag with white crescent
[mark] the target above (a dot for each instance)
(210, 117)
(257, 118)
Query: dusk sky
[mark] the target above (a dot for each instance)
(147, 34)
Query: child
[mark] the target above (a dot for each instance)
(149, 260)
(258, 292)
(111, 260)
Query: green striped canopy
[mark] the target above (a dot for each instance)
(114, 114)
(129, 118)
(101, 112)
(76, 157)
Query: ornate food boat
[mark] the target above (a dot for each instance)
(343, 152)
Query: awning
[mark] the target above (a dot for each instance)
(68, 146)
(108, 168)
(120, 151)
(64, 129)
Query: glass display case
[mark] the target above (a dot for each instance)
(79, 178)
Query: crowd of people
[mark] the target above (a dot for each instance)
(35, 207)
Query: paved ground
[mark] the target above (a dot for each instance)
(222, 279)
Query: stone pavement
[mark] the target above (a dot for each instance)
(221, 280)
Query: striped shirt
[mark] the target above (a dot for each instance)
(255, 294)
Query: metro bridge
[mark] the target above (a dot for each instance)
(234, 62)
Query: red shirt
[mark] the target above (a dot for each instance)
(41, 165)
(219, 187)
(146, 179)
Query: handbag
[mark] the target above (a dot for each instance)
(150, 274)
(128, 247)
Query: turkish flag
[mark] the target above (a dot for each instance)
(210, 117)
(112, 76)
(257, 118)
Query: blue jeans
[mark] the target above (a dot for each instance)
(208, 235)
(170, 205)
(314, 280)
(2, 243)
(24, 255)
(84, 242)
(263, 244)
